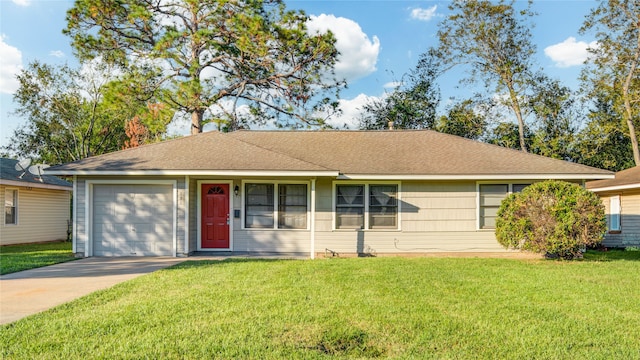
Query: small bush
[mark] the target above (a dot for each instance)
(553, 217)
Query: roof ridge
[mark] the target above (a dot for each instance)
(277, 152)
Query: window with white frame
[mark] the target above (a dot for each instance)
(614, 213)
(11, 206)
(366, 206)
(490, 198)
(262, 206)
(292, 206)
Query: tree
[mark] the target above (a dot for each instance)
(552, 217)
(603, 142)
(251, 54)
(411, 105)
(494, 40)
(464, 120)
(556, 113)
(71, 114)
(615, 61)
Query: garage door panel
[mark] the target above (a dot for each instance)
(133, 220)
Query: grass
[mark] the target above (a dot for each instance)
(15, 258)
(437, 308)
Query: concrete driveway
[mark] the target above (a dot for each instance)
(32, 291)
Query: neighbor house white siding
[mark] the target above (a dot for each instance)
(42, 215)
(629, 233)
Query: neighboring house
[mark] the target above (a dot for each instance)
(621, 198)
(36, 209)
(302, 192)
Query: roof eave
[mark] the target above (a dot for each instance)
(616, 187)
(35, 185)
(261, 173)
(475, 177)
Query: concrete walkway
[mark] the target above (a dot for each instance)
(32, 291)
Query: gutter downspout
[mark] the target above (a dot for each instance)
(313, 219)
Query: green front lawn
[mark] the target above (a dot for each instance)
(359, 308)
(15, 258)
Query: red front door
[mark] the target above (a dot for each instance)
(215, 216)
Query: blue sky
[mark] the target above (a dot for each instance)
(378, 40)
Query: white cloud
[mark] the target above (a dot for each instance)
(358, 53)
(56, 53)
(22, 2)
(10, 66)
(351, 110)
(424, 14)
(392, 84)
(569, 52)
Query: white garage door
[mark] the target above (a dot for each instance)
(132, 220)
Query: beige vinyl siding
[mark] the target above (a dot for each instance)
(629, 220)
(434, 217)
(42, 216)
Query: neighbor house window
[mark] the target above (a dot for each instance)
(490, 198)
(11, 206)
(614, 213)
(366, 206)
(262, 207)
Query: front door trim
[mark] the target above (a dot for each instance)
(199, 214)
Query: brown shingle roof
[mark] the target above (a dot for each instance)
(419, 152)
(208, 151)
(407, 153)
(625, 177)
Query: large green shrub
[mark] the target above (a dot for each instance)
(553, 217)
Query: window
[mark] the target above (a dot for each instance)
(491, 195)
(350, 207)
(259, 206)
(383, 207)
(614, 213)
(490, 198)
(11, 207)
(292, 206)
(378, 210)
(262, 207)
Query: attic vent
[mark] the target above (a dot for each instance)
(216, 190)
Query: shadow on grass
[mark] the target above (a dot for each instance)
(223, 262)
(612, 255)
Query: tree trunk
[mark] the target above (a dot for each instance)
(632, 131)
(627, 102)
(516, 109)
(196, 121)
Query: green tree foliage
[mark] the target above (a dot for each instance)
(552, 217)
(412, 104)
(603, 142)
(495, 41)
(554, 108)
(463, 119)
(232, 54)
(614, 64)
(73, 114)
